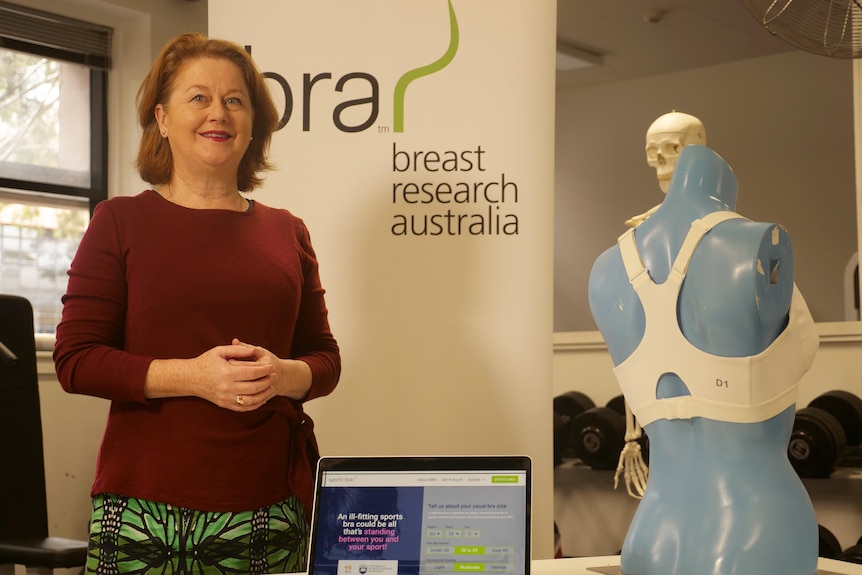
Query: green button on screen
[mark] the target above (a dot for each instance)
(504, 479)
(476, 567)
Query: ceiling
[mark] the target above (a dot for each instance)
(638, 38)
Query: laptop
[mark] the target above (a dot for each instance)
(405, 515)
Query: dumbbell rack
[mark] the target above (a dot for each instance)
(827, 434)
(585, 496)
(837, 504)
(825, 449)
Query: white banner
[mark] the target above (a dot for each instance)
(418, 148)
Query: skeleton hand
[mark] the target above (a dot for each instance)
(631, 461)
(633, 468)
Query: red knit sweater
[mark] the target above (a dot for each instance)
(155, 280)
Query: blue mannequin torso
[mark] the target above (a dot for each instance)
(722, 497)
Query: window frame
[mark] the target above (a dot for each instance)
(53, 34)
(50, 34)
(98, 189)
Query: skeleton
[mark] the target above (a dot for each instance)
(665, 139)
(631, 464)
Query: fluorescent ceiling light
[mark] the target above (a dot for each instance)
(573, 58)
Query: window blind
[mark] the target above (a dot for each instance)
(53, 36)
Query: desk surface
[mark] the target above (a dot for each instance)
(610, 565)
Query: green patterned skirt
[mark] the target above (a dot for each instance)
(129, 535)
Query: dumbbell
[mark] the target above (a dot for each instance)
(828, 545)
(847, 409)
(816, 443)
(618, 404)
(826, 432)
(830, 548)
(852, 554)
(567, 406)
(597, 436)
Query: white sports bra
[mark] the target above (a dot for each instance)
(735, 389)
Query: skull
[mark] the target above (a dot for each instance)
(665, 139)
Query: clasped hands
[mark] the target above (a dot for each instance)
(243, 377)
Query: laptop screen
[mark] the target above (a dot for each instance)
(412, 515)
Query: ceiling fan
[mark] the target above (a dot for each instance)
(830, 28)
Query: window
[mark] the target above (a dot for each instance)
(53, 149)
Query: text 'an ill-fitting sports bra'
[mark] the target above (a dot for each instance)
(735, 389)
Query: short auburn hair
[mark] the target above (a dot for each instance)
(155, 162)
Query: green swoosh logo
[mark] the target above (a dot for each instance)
(436, 66)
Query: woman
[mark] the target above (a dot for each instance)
(200, 315)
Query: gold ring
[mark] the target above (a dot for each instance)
(239, 400)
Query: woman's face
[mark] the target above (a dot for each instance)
(208, 118)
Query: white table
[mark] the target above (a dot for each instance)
(594, 565)
(611, 564)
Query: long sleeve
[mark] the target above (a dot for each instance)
(89, 355)
(313, 342)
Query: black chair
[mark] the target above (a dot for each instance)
(24, 536)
